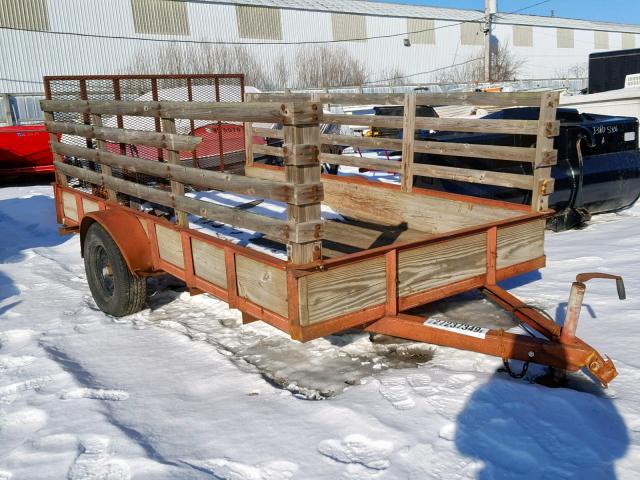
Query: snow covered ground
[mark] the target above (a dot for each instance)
(183, 391)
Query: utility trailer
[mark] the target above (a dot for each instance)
(396, 247)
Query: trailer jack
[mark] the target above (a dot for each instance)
(552, 345)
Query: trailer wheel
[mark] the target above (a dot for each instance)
(115, 289)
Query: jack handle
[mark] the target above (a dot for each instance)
(585, 277)
(576, 296)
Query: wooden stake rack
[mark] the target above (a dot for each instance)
(337, 275)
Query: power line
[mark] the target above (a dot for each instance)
(421, 73)
(222, 42)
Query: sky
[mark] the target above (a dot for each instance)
(620, 11)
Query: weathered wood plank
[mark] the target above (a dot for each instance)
(89, 206)
(173, 158)
(208, 262)
(268, 132)
(480, 125)
(544, 146)
(364, 142)
(389, 206)
(498, 99)
(303, 168)
(61, 179)
(520, 243)
(278, 229)
(439, 264)
(345, 289)
(386, 205)
(362, 162)
(70, 206)
(170, 141)
(248, 143)
(267, 150)
(512, 180)
(494, 152)
(262, 284)
(291, 113)
(96, 120)
(170, 245)
(408, 141)
(284, 192)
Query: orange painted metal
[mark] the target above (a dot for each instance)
(232, 281)
(522, 311)
(293, 306)
(267, 316)
(492, 254)
(391, 265)
(127, 232)
(343, 322)
(153, 243)
(499, 343)
(420, 298)
(189, 273)
(57, 197)
(142, 256)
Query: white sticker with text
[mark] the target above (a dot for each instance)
(462, 328)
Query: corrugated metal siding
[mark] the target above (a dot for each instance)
(160, 17)
(27, 14)
(471, 34)
(565, 38)
(26, 56)
(347, 27)
(522, 36)
(628, 40)
(424, 31)
(601, 40)
(259, 23)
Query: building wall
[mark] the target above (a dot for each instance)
(26, 56)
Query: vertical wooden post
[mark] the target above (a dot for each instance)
(248, 137)
(248, 144)
(542, 181)
(96, 120)
(302, 167)
(408, 140)
(61, 178)
(220, 139)
(173, 157)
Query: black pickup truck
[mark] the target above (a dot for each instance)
(598, 167)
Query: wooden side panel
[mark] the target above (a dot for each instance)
(449, 261)
(426, 213)
(170, 246)
(262, 284)
(208, 262)
(345, 289)
(519, 243)
(70, 206)
(90, 206)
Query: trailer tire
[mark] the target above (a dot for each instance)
(115, 289)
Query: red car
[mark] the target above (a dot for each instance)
(24, 149)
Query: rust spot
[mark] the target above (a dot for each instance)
(283, 107)
(314, 106)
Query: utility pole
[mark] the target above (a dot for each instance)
(490, 8)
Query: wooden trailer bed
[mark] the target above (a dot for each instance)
(401, 247)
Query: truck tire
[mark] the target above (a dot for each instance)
(115, 289)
